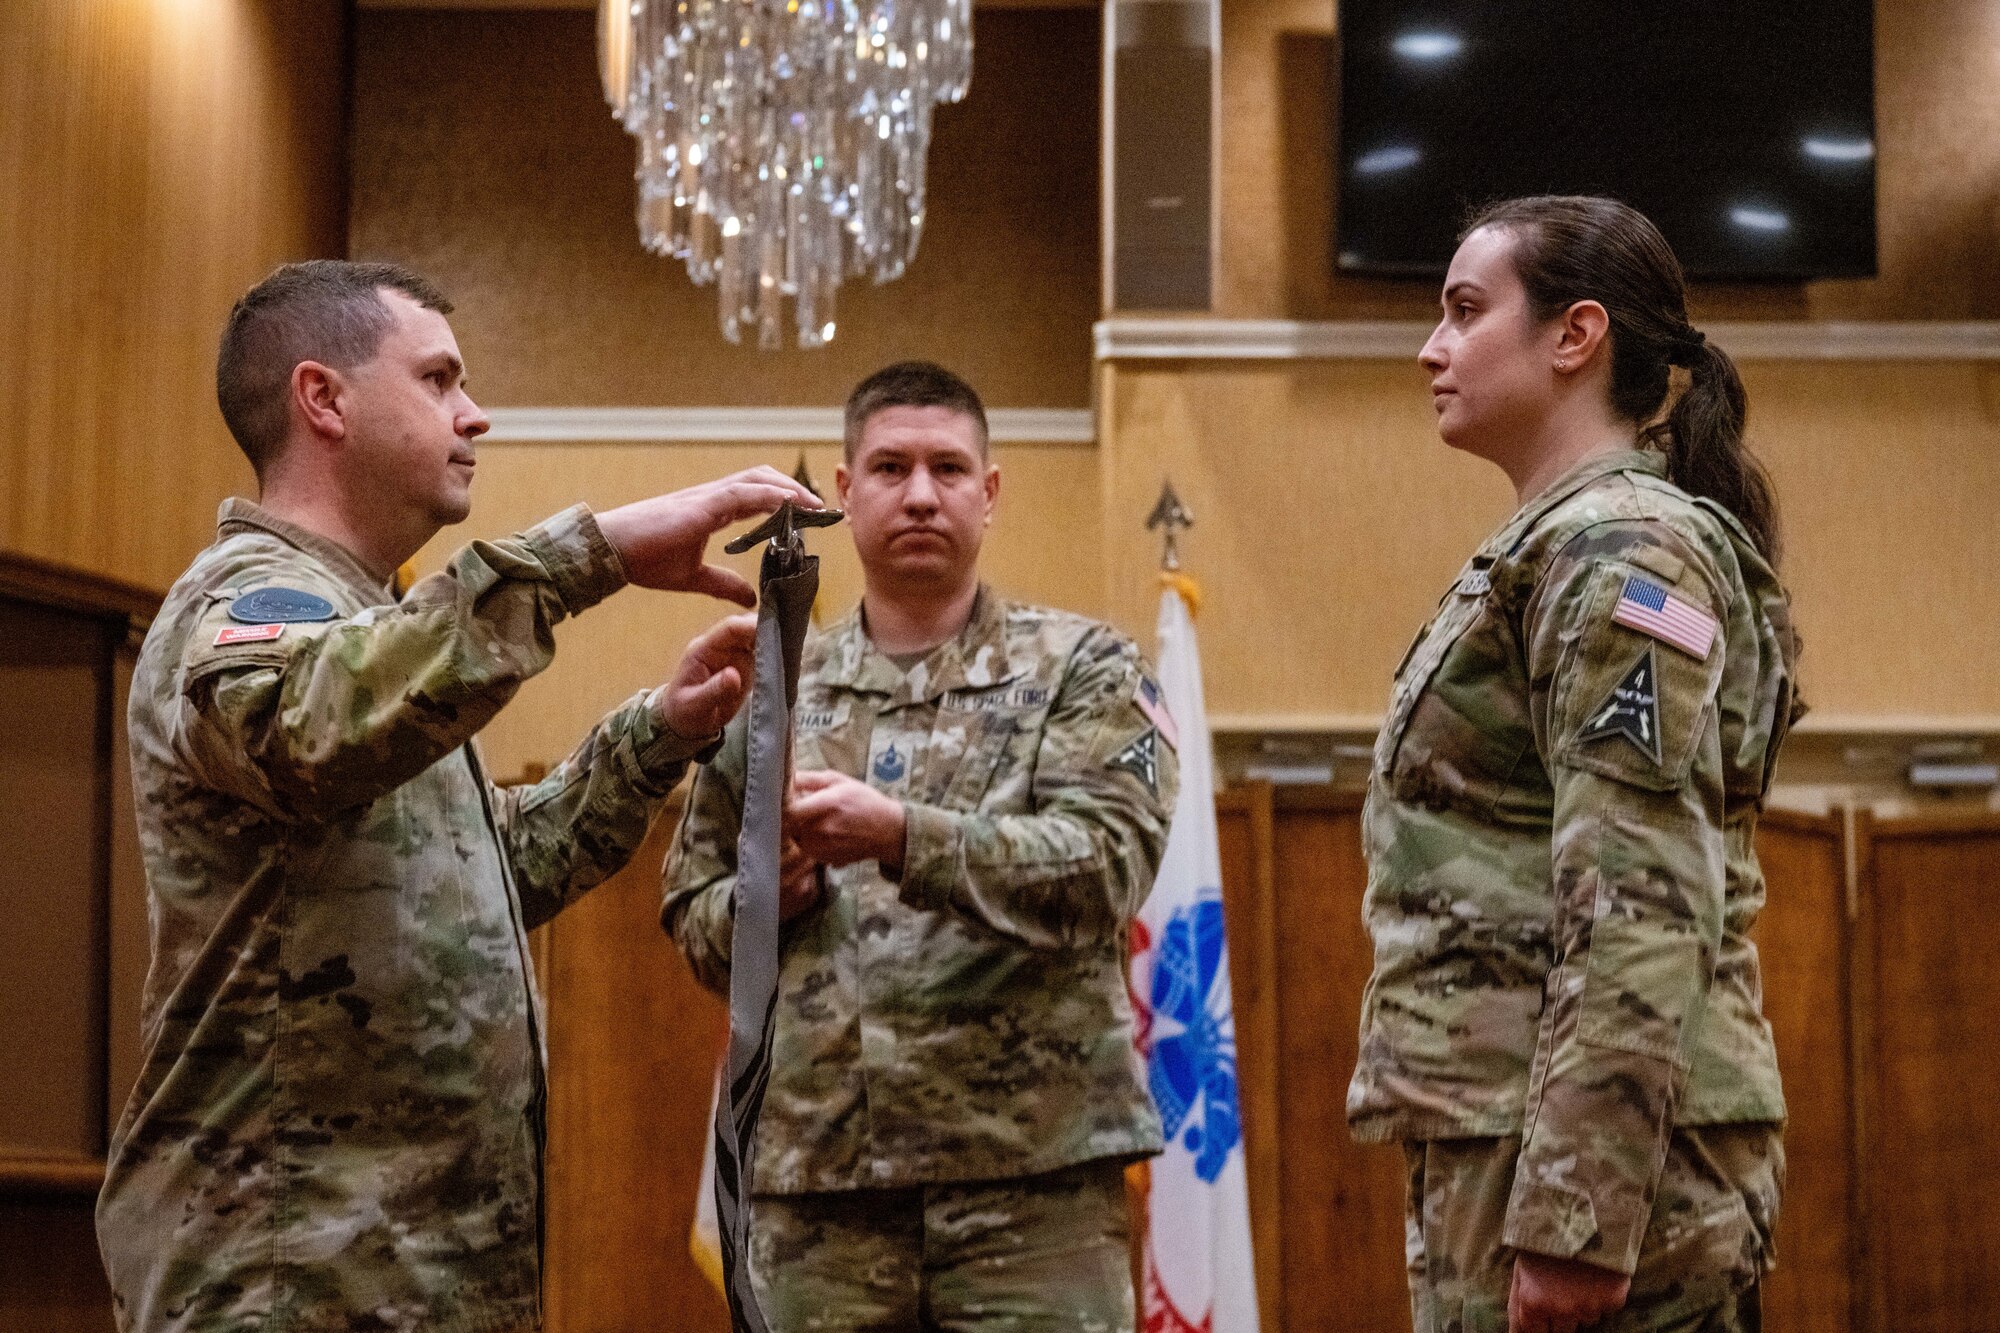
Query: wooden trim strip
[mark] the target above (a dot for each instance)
(1936, 824)
(1259, 1021)
(1831, 824)
(46, 1175)
(46, 583)
(1868, 1314)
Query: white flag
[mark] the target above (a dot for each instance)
(1199, 1272)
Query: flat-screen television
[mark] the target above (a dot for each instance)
(1744, 128)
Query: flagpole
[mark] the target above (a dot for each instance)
(1198, 1274)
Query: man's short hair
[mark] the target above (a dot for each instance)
(910, 384)
(325, 310)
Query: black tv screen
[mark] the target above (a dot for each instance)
(1744, 128)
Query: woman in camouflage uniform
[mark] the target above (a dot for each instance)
(1564, 1027)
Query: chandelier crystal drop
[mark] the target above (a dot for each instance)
(782, 142)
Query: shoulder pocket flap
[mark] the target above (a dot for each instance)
(1628, 706)
(979, 761)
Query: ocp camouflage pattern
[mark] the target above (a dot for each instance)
(972, 1021)
(1560, 920)
(338, 1123)
(1707, 1246)
(1026, 1255)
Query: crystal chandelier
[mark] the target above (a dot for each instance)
(782, 142)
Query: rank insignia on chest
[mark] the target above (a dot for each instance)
(1142, 759)
(1631, 710)
(890, 766)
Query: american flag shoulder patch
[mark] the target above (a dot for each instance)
(1645, 606)
(1155, 708)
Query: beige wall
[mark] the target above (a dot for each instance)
(156, 160)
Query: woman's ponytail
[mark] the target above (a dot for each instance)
(1702, 438)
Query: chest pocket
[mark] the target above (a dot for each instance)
(973, 748)
(1462, 607)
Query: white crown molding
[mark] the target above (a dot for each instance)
(752, 425)
(1129, 338)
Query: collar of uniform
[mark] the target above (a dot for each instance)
(1572, 481)
(976, 658)
(238, 514)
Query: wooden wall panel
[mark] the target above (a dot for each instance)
(1244, 828)
(155, 160)
(1802, 939)
(1330, 518)
(484, 156)
(1341, 1202)
(633, 1041)
(1931, 1138)
(1041, 548)
(54, 701)
(50, 1278)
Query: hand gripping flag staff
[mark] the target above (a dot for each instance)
(786, 585)
(1199, 1273)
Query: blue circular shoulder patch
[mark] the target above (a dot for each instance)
(271, 606)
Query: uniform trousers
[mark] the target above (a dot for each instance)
(1034, 1254)
(1706, 1249)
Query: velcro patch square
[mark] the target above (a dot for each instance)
(229, 634)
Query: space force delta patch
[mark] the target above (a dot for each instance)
(1631, 710)
(1141, 759)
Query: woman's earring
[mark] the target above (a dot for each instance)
(1562, 366)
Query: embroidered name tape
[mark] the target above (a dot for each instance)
(229, 634)
(986, 701)
(1651, 609)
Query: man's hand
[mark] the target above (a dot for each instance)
(713, 675)
(1562, 1295)
(662, 541)
(838, 820)
(798, 882)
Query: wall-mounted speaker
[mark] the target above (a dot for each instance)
(1161, 73)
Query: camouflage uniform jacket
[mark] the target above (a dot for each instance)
(972, 1021)
(338, 1123)
(1561, 871)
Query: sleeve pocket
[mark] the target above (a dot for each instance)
(1631, 707)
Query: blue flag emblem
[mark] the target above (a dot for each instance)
(1191, 1071)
